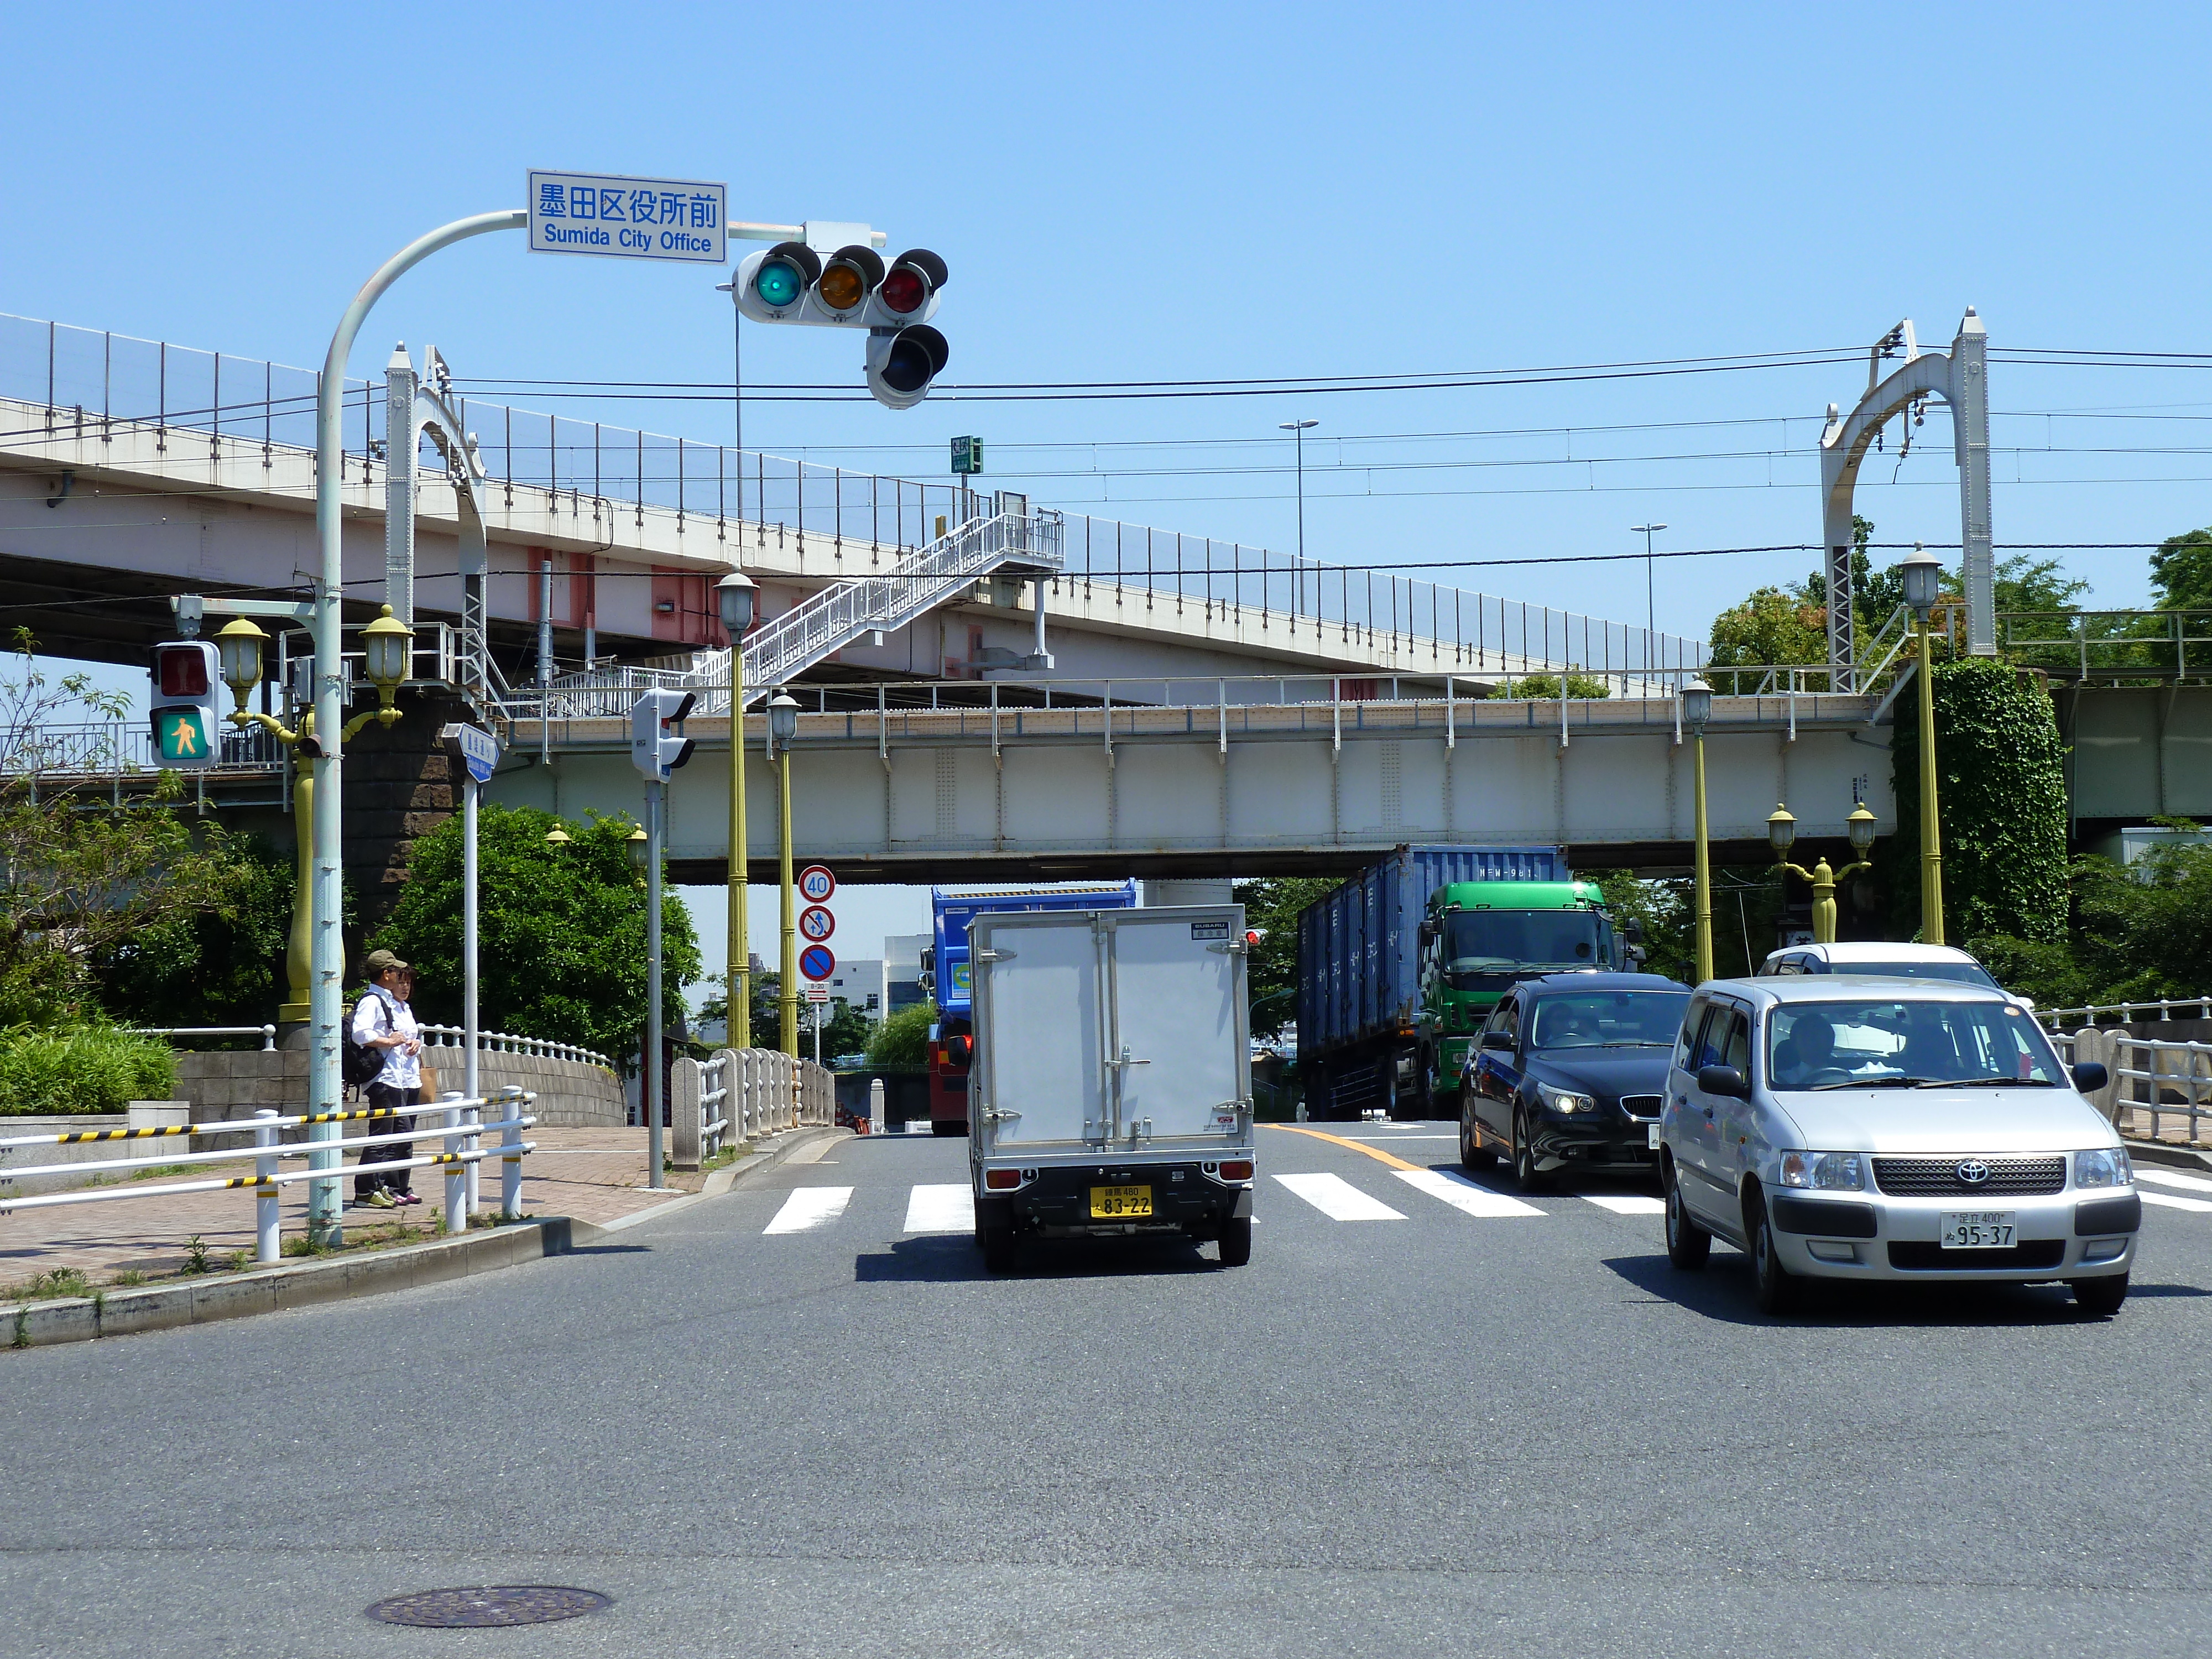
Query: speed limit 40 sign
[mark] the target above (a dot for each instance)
(815, 884)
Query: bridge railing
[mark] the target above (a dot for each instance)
(2160, 646)
(506, 1042)
(104, 749)
(2125, 1013)
(90, 381)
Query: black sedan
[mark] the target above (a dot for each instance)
(1569, 1073)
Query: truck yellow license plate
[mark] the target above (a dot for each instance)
(1120, 1203)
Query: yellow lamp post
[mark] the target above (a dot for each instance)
(782, 727)
(1920, 569)
(737, 599)
(1696, 709)
(240, 646)
(1782, 833)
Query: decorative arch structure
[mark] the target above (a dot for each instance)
(1961, 381)
(416, 405)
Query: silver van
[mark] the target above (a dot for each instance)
(1841, 1126)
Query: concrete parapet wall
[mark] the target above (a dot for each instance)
(235, 1084)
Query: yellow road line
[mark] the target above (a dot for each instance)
(1375, 1152)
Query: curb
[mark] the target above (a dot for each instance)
(2178, 1157)
(269, 1289)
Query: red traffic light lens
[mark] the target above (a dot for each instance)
(182, 671)
(903, 290)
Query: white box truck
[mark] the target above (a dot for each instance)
(1111, 1089)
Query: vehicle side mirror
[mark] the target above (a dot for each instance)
(1632, 930)
(1429, 932)
(2091, 1076)
(1723, 1080)
(1500, 1041)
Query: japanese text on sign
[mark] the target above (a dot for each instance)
(629, 218)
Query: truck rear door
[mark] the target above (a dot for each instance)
(1040, 1009)
(1176, 1022)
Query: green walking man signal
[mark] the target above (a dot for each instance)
(181, 704)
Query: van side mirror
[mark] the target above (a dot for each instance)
(1429, 930)
(1632, 930)
(2091, 1076)
(1502, 1042)
(1724, 1081)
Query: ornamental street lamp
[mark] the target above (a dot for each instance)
(782, 727)
(1650, 587)
(1697, 709)
(1921, 568)
(1782, 833)
(737, 599)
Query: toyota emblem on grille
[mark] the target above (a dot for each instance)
(1972, 1172)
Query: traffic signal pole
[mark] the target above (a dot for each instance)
(656, 803)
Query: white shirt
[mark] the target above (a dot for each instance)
(402, 1070)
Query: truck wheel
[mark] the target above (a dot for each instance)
(1425, 1088)
(997, 1244)
(1236, 1241)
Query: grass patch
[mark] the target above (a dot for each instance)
(165, 1170)
(56, 1282)
(195, 1255)
(128, 1279)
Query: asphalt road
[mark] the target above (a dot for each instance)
(1430, 1432)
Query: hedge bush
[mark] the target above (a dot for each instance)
(80, 1069)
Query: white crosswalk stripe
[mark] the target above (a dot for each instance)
(941, 1209)
(1627, 1203)
(2170, 1178)
(1338, 1199)
(1463, 1194)
(2168, 1202)
(809, 1208)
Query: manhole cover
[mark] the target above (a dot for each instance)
(486, 1605)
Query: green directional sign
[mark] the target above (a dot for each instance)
(967, 455)
(183, 737)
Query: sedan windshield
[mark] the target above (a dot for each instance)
(1503, 941)
(1869, 1042)
(1607, 1019)
(1962, 973)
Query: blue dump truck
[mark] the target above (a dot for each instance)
(1399, 968)
(951, 1039)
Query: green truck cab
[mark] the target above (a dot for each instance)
(1479, 936)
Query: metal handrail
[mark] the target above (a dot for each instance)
(506, 1042)
(266, 1033)
(2056, 1019)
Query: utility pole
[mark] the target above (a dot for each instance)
(1297, 429)
(1650, 590)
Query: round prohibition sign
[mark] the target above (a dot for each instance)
(815, 884)
(817, 962)
(816, 923)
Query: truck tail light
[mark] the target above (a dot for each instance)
(1236, 1168)
(1002, 1181)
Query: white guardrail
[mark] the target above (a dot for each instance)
(503, 1043)
(742, 1094)
(459, 1120)
(2127, 1012)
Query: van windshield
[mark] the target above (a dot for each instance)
(1489, 942)
(1861, 1042)
(1962, 973)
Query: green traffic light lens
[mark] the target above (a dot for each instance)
(778, 282)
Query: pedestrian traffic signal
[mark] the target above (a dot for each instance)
(654, 749)
(182, 704)
(852, 287)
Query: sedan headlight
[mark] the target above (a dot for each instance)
(2106, 1167)
(1834, 1171)
(1564, 1100)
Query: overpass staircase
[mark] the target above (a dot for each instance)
(1021, 542)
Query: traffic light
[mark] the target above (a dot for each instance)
(654, 749)
(187, 732)
(852, 287)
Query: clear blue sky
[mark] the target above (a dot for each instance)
(1193, 191)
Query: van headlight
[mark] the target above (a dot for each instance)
(2105, 1167)
(1834, 1171)
(1564, 1100)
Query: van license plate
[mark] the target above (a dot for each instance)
(1979, 1230)
(1120, 1203)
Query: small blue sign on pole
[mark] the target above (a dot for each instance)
(818, 961)
(475, 748)
(618, 217)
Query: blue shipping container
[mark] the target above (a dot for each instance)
(1359, 952)
(953, 912)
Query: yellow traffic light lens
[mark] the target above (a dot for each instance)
(841, 288)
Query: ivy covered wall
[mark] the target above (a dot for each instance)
(2001, 791)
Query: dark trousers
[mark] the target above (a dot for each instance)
(384, 1101)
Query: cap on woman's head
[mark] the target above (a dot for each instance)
(383, 962)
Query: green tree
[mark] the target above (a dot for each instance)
(2002, 791)
(2181, 571)
(1770, 626)
(849, 1031)
(561, 941)
(1665, 907)
(1271, 905)
(2138, 932)
(1538, 687)
(901, 1042)
(210, 967)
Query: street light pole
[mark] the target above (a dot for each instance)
(783, 727)
(1782, 834)
(736, 597)
(1650, 588)
(1696, 709)
(1297, 429)
(325, 992)
(1920, 572)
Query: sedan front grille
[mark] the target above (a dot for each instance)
(1645, 1106)
(1935, 1178)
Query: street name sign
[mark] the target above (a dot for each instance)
(816, 923)
(818, 961)
(475, 748)
(815, 884)
(622, 218)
